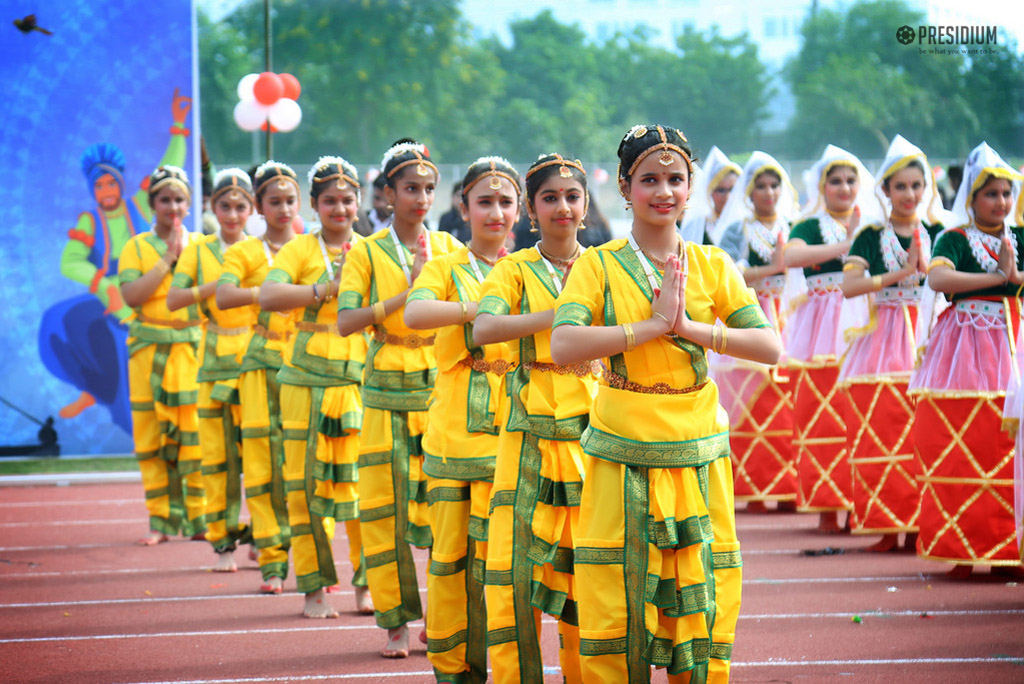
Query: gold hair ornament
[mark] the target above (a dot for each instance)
(563, 166)
(495, 175)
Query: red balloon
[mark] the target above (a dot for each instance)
(291, 86)
(268, 88)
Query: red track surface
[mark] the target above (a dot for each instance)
(80, 602)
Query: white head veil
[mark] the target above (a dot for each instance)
(982, 163)
(701, 206)
(900, 155)
(740, 206)
(814, 182)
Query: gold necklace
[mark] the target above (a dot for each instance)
(556, 261)
(481, 257)
(660, 263)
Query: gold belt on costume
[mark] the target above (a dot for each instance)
(617, 381)
(407, 341)
(270, 335)
(498, 367)
(317, 327)
(580, 369)
(217, 330)
(178, 324)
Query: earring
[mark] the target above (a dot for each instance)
(629, 205)
(390, 207)
(583, 223)
(533, 225)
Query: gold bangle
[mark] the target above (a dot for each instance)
(876, 282)
(714, 337)
(463, 312)
(163, 267)
(379, 313)
(627, 329)
(255, 290)
(328, 295)
(662, 317)
(725, 339)
(195, 293)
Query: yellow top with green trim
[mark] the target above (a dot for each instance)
(226, 332)
(646, 425)
(398, 376)
(551, 402)
(246, 265)
(153, 322)
(316, 356)
(461, 439)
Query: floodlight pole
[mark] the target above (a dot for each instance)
(267, 32)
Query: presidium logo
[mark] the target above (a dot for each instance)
(948, 35)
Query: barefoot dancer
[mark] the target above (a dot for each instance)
(888, 260)
(839, 190)
(967, 492)
(225, 337)
(245, 267)
(539, 470)
(162, 366)
(461, 438)
(397, 383)
(657, 560)
(321, 411)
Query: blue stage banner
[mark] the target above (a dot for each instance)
(96, 95)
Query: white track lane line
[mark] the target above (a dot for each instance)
(73, 523)
(292, 630)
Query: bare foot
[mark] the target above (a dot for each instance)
(198, 536)
(960, 572)
(887, 543)
(364, 604)
(84, 401)
(225, 562)
(828, 522)
(317, 606)
(153, 538)
(910, 542)
(333, 589)
(423, 636)
(254, 553)
(398, 643)
(756, 507)
(273, 585)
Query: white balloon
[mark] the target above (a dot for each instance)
(245, 85)
(285, 115)
(250, 115)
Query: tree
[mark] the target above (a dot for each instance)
(856, 86)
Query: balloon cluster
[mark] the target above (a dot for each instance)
(268, 99)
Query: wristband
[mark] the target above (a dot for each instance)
(379, 312)
(195, 293)
(162, 267)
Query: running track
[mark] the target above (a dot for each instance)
(80, 602)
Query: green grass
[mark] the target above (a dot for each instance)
(67, 465)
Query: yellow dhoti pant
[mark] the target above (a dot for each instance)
(652, 588)
(321, 444)
(263, 468)
(534, 507)
(220, 443)
(393, 511)
(162, 384)
(456, 615)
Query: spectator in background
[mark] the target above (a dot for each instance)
(596, 230)
(451, 221)
(954, 175)
(379, 215)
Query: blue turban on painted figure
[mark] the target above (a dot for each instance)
(83, 340)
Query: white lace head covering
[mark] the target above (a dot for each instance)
(982, 163)
(740, 206)
(901, 154)
(706, 177)
(814, 181)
